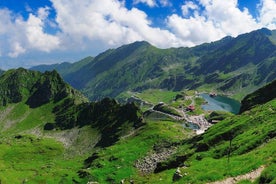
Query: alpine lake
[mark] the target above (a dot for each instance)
(220, 103)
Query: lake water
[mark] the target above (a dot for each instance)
(221, 103)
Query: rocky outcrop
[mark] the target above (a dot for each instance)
(149, 163)
(177, 175)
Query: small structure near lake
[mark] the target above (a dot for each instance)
(190, 108)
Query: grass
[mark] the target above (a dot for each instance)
(156, 95)
(210, 169)
(28, 158)
(252, 144)
(269, 174)
(23, 118)
(35, 160)
(116, 162)
(168, 110)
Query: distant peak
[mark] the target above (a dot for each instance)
(264, 31)
(140, 44)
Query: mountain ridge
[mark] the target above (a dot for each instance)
(26, 91)
(261, 96)
(68, 139)
(234, 66)
(34, 88)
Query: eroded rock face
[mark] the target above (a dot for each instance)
(149, 163)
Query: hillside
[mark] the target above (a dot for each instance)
(53, 126)
(241, 147)
(235, 66)
(66, 139)
(260, 96)
(20, 85)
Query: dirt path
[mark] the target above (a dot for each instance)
(253, 175)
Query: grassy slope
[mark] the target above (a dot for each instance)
(253, 144)
(27, 152)
(30, 156)
(48, 163)
(36, 160)
(116, 162)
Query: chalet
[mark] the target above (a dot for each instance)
(190, 108)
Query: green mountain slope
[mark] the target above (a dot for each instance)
(235, 66)
(162, 152)
(34, 88)
(47, 128)
(67, 139)
(260, 96)
(26, 91)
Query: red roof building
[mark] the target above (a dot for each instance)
(191, 108)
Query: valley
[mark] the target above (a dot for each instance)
(140, 114)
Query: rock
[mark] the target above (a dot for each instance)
(177, 175)
(149, 163)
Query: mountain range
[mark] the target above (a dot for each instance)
(233, 66)
(51, 133)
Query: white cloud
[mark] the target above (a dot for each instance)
(36, 37)
(154, 3)
(17, 49)
(91, 26)
(10, 30)
(150, 3)
(194, 30)
(188, 6)
(20, 36)
(267, 15)
(216, 20)
(108, 22)
(165, 3)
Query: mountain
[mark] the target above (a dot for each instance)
(46, 126)
(36, 89)
(64, 68)
(260, 96)
(70, 108)
(235, 66)
(237, 149)
(50, 133)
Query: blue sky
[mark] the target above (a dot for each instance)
(36, 32)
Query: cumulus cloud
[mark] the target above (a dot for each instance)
(154, 3)
(21, 35)
(189, 6)
(267, 13)
(150, 3)
(36, 37)
(165, 3)
(109, 22)
(16, 49)
(88, 25)
(216, 20)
